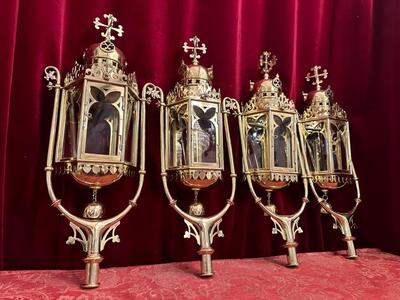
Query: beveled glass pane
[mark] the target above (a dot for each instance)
(282, 142)
(338, 147)
(204, 135)
(317, 147)
(71, 123)
(103, 123)
(178, 136)
(255, 142)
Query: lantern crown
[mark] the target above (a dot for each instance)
(106, 53)
(267, 87)
(267, 92)
(195, 73)
(320, 102)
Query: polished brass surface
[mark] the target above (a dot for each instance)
(271, 153)
(325, 142)
(97, 97)
(192, 124)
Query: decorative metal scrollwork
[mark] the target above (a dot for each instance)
(110, 235)
(82, 239)
(191, 231)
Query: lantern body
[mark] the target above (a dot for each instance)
(326, 140)
(194, 144)
(99, 118)
(269, 121)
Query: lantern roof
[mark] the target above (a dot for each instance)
(320, 102)
(195, 71)
(196, 80)
(267, 92)
(106, 51)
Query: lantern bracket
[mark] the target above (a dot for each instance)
(286, 225)
(203, 229)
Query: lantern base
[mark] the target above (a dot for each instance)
(292, 261)
(204, 231)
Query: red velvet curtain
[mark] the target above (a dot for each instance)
(357, 41)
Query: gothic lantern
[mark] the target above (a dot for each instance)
(95, 131)
(192, 147)
(325, 139)
(268, 131)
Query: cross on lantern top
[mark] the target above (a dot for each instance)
(109, 27)
(267, 62)
(317, 76)
(194, 49)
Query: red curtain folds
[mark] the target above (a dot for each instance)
(356, 41)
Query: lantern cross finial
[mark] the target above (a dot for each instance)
(194, 49)
(317, 76)
(267, 62)
(109, 27)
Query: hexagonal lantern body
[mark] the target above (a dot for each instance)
(326, 140)
(194, 144)
(270, 132)
(99, 118)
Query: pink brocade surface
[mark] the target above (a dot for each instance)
(323, 275)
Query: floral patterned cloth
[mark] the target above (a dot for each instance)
(323, 275)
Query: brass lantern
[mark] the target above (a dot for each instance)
(192, 147)
(325, 139)
(271, 156)
(95, 132)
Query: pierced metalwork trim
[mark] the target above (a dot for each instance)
(202, 89)
(52, 76)
(314, 111)
(261, 102)
(82, 239)
(294, 227)
(274, 177)
(110, 235)
(232, 106)
(93, 169)
(152, 92)
(191, 231)
(76, 72)
(332, 178)
(216, 231)
(107, 71)
(195, 174)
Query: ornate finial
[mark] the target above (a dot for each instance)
(267, 61)
(109, 27)
(194, 49)
(317, 76)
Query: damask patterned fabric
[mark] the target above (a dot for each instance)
(324, 275)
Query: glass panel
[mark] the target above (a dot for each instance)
(338, 147)
(103, 123)
(71, 123)
(255, 142)
(317, 147)
(204, 135)
(282, 142)
(178, 136)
